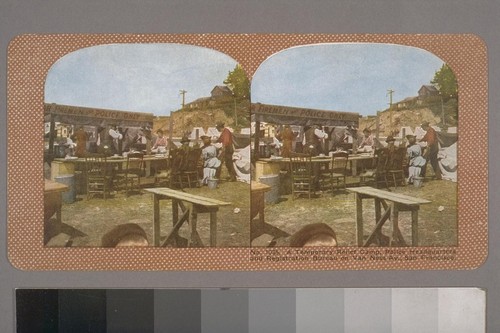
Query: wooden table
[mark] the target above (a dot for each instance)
(353, 160)
(265, 166)
(63, 166)
(185, 207)
(393, 203)
(52, 198)
(258, 203)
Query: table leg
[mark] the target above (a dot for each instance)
(156, 220)
(414, 227)
(394, 217)
(193, 222)
(261, 213)
(213, 229)
(148, 168)
(195, 239)
(359, 219)
(378, 228)
(173, 236)
(59, 209)
(378, 214)
(354, 167)
(395, 234)
(175, 211)
(257, 208)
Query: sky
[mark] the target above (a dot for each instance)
(350, 77)
(136, 77)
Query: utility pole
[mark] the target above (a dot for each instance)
(390, 92)
(183, 93)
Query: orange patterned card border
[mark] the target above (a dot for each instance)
(31, 56)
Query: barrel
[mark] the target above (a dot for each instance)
(273, 181)
(417, 181)
(70, 195)
(212, 183)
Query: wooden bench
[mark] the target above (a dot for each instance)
(53, 199)
(393, 203)
(259, 226)
(185, 207)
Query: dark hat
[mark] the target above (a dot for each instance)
(219, 124)
(390, 138)
(205, 137)
(367, 130)
(184, 139)
(410, 136)
(425, 123)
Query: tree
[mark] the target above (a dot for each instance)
(238, 82)
(446, 82)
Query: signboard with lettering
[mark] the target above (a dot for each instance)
(78, 115)
(287, 115)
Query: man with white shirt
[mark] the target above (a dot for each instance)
(314, 138)
(116, 138)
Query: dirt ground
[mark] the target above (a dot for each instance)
(435, 228)
(85, 221)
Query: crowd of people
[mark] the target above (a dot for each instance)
(216, 151)
(317, 140)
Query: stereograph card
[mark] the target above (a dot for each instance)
(247, 152)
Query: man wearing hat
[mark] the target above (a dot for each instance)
(185, 143)
(391, 147)
(416, 160)
(226, 139)
(432, 149)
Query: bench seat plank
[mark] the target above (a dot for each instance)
(195, 199)
(391, 196)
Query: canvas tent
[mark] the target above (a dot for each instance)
(196, 133)
(447, 155)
